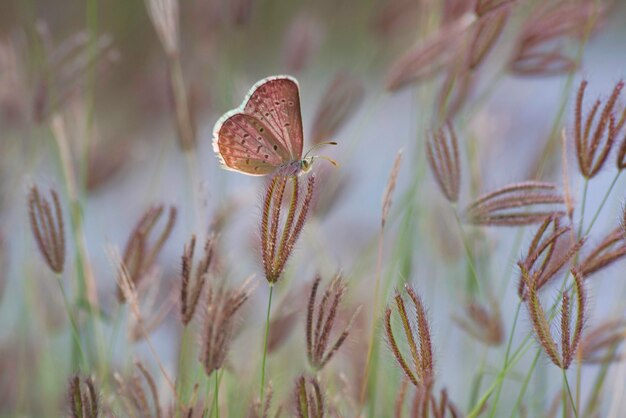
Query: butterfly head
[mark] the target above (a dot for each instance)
(306, 163)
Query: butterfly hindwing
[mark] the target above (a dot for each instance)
(246, 144)
(275, 101)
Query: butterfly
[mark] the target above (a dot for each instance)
(264, 135)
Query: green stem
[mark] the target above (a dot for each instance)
(571, 398)
(468, 252)
(522, 392)
(216, 395)
(582, 208)
(267, 332)
(604, 199)
(76, 346)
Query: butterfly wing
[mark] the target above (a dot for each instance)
(275, 101)
(245, 144)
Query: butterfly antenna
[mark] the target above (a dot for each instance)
(321, 144)
(330, 160)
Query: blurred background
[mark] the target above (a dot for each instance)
(134, 95)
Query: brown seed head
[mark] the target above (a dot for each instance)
(256, 410)
(48, 228)
(278, 244)
(339, 101)
(140, 254)
(220, 308)
(594, 145)
(541, 326)
(487, 31)
(309, 398)
(610, 250)
(549, 251)
(136, 400)
(417, 334)
(442, 149)
(538, 47)
(425, 404)
(82, 398)
(518, 204)
(320, 319)
(191, 287)
(600, 343)
(481, 323)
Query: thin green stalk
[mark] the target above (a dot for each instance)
(506, 358)
(182, 365)
(76, 345)
(604, 199)
(468, 252)
(216, 404)
(267, 332)
(522, 392)
(571, 398)
(582, 208)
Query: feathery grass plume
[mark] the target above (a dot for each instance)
(48, 228)
(190, 292)
(136, 400)
(492, 18)
(600, 343)
(256, 410)
(621, 153)
(82, 398)
(539, 49)
(277, 245)
(320, 320)
(339, 101)
(569, 343)
(481, 323)
(221, 305)
(517, 204)
(153, 311)
(417, 334)
(594, 145)
(389, 189)
(547, 254)
(302, 41)
(309, 398)
(442, 149)
(164, 17)
(429, 56)
(610, 250)
(139, 256)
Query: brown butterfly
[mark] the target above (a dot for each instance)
(264, 134)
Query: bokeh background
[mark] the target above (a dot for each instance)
(102, 69)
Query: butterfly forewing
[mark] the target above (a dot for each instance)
(276, 103)
(246, 144)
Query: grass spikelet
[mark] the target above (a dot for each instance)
(517, 204)
(48, 228)
(191, 287)
(309, 398)
(137, 400)
(82, 398)
(320, 320)
(482, 323)
(140, 254)
(600, 343)
(277, 244)
(443, 157)
(608, 251)
(594, 145)
(417, 335)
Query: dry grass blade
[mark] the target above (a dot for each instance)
(82, 398)
(220, 308)
(569, 342)
(191, 287)
(610, 250)
(164, 17)
(538, 50)
(309, 398)
(518, 204)
(320, 320)
(594, 145)
(339, 101)
(429, 56)
(483, 324)
(417, 335)
(549, 251)
(391, 186)
(442, 149)
(278, 244)
(487, 31)
(48, 228)
(139, 255)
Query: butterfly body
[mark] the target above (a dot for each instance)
(264, 135)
